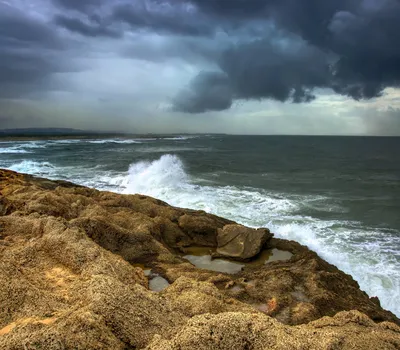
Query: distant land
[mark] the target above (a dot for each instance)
(33, 133)
(48, 132)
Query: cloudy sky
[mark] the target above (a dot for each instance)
(233, 66)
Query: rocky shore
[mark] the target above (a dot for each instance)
(85, 269)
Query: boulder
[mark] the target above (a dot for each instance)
(240, 242)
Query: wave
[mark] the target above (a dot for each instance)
(94, 177)
(21, 147)
(65, 141)
(13, 150)
(178, 138)
(114, 141)
(35, 168)
(34, 144)
(344, 244)
(169, 149)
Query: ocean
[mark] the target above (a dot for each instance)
(340, 196)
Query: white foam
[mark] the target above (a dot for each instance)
(168, 149)
(12, 150)
(113, 141)
(178, 138)
(34, 144)
(20, 147)
(158, 177)
(376, 270)
(65, 141)
(34, 168)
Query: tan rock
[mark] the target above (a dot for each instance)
(227, 331)
(240, 242)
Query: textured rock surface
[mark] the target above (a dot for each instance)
(69, 281)
(240, 242)
(227, 331)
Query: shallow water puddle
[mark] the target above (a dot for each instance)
(219, 265)
(268, 256)
(201, 258)
(158, 283)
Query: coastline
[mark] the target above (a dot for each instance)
(63, 246)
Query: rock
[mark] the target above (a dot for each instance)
(232, 330)
(71, 272)
(240, 242)
(202, 229)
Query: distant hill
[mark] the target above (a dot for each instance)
(33, 133)
(47, 132)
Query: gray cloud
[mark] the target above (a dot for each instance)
(28, 53)
(163, 19)
(80, 5)
(382, 122)
(91, 28)
(209, 91)
(349, 46)
(360, 35)
(277, 68)
(18, 29)
(245, 50)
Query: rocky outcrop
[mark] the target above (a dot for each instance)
(226, 331)
(240, 242)
(72, 263)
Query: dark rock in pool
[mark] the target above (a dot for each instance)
(240, 242)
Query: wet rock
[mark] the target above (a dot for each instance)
(240, 242)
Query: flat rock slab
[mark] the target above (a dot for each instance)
(240, 242)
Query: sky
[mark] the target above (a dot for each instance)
(325, 67)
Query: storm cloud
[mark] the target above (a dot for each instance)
(182, 57)
(29, 53)
(91, 27)
(348, 46)
(280, 50)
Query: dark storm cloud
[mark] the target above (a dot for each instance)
(92, 28)
(347, 45)
(257, 70)
(28, 53)
(209, 91)
(17, 30)
(162, 19)
(257, 49)
(80, 5)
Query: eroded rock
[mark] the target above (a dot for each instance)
(240, 242)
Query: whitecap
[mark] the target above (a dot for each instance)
(13, 150)
(113, 141)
